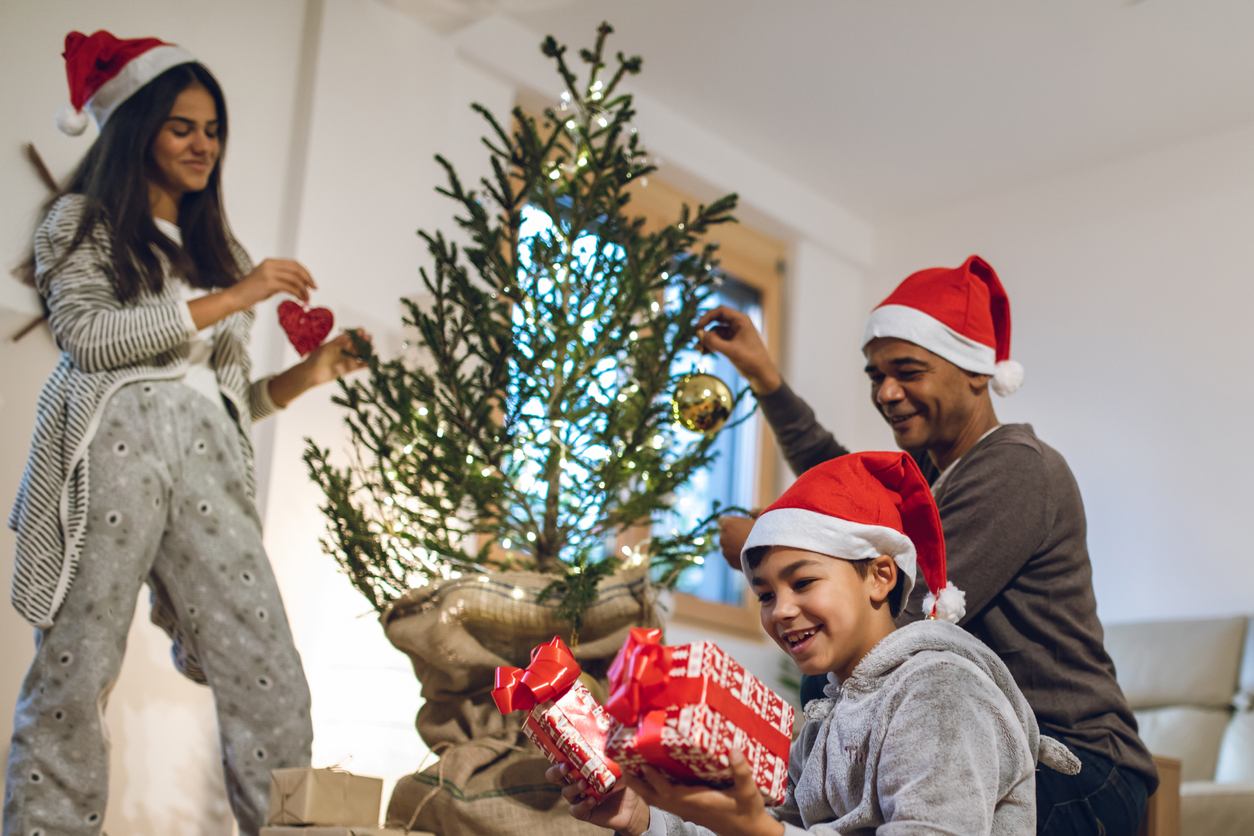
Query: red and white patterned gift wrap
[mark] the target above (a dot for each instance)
(564, 722)
(573, 730)
(684, 709)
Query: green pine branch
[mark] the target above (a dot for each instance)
(538, 425)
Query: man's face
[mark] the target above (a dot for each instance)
(926, 399)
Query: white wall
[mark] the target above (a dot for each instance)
(826, 309)
(1131, 293)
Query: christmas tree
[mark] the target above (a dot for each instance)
(537, 428)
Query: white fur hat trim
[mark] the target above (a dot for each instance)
(799, 528)
(140, 70)
(913, 325)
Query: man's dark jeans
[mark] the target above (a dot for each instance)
(1103, 800)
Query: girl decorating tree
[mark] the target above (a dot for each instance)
(141, 468)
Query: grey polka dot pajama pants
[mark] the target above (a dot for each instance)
(167, 506)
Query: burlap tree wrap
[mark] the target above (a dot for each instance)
(490, 779)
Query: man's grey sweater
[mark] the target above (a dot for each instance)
(1015, 538)
(929, 735)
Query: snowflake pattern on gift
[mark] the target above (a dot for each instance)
(574, 728)
(698, 739)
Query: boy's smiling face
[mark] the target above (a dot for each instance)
(820, 610)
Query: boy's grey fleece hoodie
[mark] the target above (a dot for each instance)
(930, 735)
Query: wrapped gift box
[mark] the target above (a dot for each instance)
(684, 709)
(564, 721)
(325, 797)
(572, 730)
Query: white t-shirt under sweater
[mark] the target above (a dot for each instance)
(944, 474)
(200, 374)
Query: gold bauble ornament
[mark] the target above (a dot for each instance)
(701, 403)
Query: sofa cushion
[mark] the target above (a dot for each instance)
(1236, 751)
(1208, 809)
(1190, 734)
(1164, 663)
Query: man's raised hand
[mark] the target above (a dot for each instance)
(734, 336)
(733, 531)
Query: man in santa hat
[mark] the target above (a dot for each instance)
(1012, 515)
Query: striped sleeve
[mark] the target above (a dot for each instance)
(89, 323)
(260, 403)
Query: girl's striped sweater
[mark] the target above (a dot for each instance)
(105, 345)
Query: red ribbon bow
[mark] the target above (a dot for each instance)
(639, 675)
(552, 671)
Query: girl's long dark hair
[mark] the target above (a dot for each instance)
(113, 177)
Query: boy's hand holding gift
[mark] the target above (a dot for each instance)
(564, 722)
(737, 810)
(622, 810)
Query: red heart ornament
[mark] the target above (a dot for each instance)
(306, 329)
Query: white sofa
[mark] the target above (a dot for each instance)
(1191, 686)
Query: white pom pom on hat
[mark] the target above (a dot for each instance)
(961, 314)
(71, 122)
(1007, 378)
(949, 605)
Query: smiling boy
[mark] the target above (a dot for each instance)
(920, 728)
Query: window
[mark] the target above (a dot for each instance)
(717, 596)
(730, 479)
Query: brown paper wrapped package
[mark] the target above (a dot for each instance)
(324, 797)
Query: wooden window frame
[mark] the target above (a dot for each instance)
(754, 259)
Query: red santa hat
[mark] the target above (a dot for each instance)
(961, 314)
(858, 507)
(104, 71)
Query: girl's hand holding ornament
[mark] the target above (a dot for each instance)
(330, 361)
(271, 276)
(335, 358)
(274, 275)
